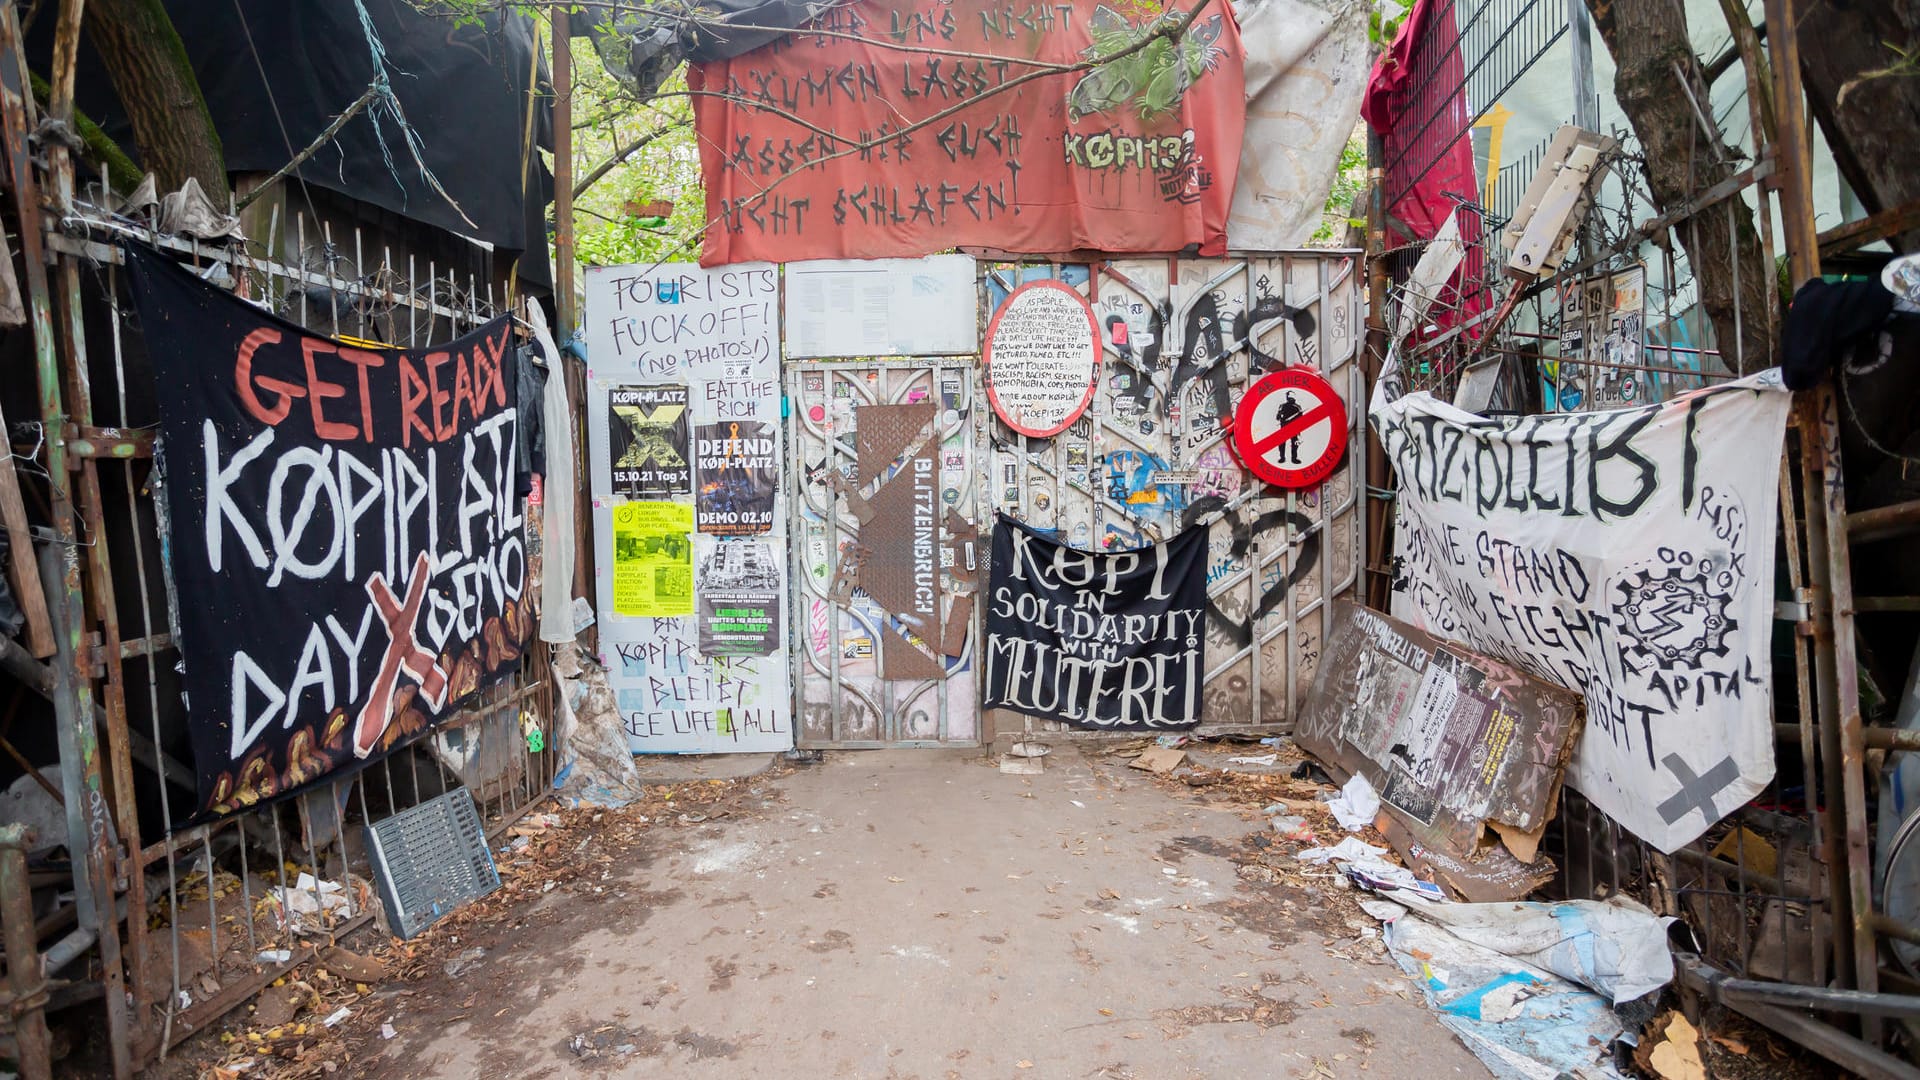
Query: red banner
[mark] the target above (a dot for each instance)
(810, 150)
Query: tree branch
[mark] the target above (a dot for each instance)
(1169, 30)
(325, 137)
(594, 174)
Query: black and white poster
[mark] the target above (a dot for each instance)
(1626, 555)
(1113, 640)
(647, 441)
(739, 476)
(344, 533)
(738, 583)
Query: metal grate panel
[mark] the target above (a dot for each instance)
(431, 859)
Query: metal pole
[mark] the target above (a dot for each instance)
(26, 980)
(563, 309)
(1586, 103)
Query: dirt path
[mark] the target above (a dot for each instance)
(915, 914)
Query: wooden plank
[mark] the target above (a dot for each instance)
(23, 571)
(1857, 234)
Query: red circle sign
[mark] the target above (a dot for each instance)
(1042, 358)
(1291, 428)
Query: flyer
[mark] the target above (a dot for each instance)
(652, 559)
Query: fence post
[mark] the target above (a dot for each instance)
(26, 981)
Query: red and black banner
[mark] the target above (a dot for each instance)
(345, 538)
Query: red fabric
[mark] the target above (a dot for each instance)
(1412, 121)
(1020, 171)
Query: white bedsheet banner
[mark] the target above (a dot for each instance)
(1626, 555)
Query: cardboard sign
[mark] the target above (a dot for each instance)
(1454, 742)
(1042, 358)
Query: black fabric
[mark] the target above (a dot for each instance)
(1115, 641)
(1826, 320)
(11, 617)
(464, 90)
(344, 538)
(533, 434)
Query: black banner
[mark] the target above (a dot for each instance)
(344, 534)
(739, 476)
(1115, 641)
(647, 441)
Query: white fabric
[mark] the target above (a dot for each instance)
(1626, 555)
(1306, 70)
(556, 528)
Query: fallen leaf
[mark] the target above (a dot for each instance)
(1109, 1012)
(1732, 1045)
(1023, 1063)
(895, 880)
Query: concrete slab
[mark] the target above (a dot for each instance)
(690, 768)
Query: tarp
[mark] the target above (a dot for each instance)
(1627, 555)
(275, 81)
(1136, 155)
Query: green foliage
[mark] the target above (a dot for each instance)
(607, 231)
(1349, 181)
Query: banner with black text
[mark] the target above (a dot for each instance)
(1626, 555)
(1113, 640)
(345, 537)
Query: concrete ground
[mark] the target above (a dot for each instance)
(920, 914)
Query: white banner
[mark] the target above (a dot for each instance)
(1626, 555)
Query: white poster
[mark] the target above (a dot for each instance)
(882, 307)
(1626, 555)
(673, 351)
(717, 329)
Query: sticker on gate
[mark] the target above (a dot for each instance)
(1291, 428)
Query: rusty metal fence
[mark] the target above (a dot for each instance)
(1789, 918)
(160, 929)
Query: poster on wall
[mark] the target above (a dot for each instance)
(714, 330)
(738, 583)
(1114, 641)
(739, 477)
(684, 626)
(343, 526)
(1626, 555)
(1042, 358)
(652, 559)
(647, 441)
(882, 307)
(1142, 157)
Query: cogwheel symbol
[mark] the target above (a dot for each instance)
(1671, 617)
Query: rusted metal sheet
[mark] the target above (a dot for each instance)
(886, 543)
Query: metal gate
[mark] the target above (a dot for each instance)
(1152, 455)
(889, 558)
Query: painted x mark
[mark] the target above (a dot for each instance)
(404, 655)
(1696, 792)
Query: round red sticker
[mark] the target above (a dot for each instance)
(1291, 428)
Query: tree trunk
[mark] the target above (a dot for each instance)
(172, 130)
(1872, 131)
(1647, 39)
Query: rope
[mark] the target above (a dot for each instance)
(384, 101)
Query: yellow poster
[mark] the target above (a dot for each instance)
(652, 559)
